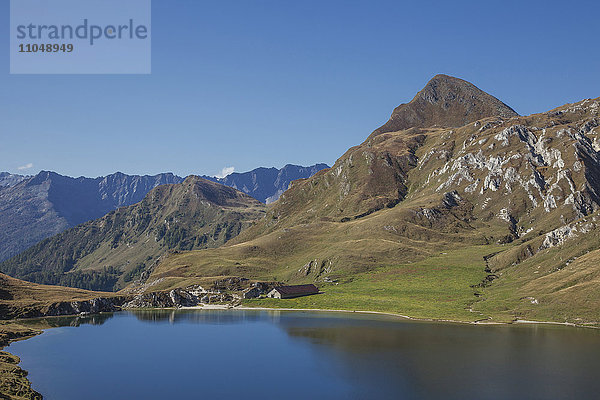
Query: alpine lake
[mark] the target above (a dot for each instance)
(264, 354)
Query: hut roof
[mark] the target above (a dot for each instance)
(294, 290)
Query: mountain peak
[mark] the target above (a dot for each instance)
(445, 101)
(197, 187)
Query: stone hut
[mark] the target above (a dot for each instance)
(288, 292)
(251, 293)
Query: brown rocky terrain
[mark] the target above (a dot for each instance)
(447, 102)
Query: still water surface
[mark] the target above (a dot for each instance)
(231, 354)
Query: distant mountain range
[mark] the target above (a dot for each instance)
(33, 208)
(7, 179)
(110, 252)
(267, 184)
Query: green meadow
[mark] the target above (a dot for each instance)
(438, 287)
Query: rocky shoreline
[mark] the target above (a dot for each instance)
(224, 291)
(13, 379)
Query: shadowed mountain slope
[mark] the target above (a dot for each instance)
(106, 253)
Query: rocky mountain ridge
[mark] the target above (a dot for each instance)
(8, 179)
(267, 184)
(445, 102)
(112, 251)
(33, 208)
(43, 205)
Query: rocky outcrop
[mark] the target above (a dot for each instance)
(522, 170)
(174, 298)
(33, 310)
(93, 306)
(228, 284)
(559, 236)
(224, 290)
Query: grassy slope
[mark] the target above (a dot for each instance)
(18, 298)
(293, 244)
(121, 245)
(14, 384)
(337, 250)
(436, 287)
(440, 287)
(557, 284)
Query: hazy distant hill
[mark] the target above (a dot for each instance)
(267, 184)
(109, 252)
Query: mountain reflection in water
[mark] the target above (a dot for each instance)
(231, 353)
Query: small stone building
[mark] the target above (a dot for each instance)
(288, 292)
(251, 293)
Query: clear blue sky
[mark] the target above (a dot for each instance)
(264, 83)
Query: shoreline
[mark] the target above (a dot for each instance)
(243, 307)
(397, 315)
